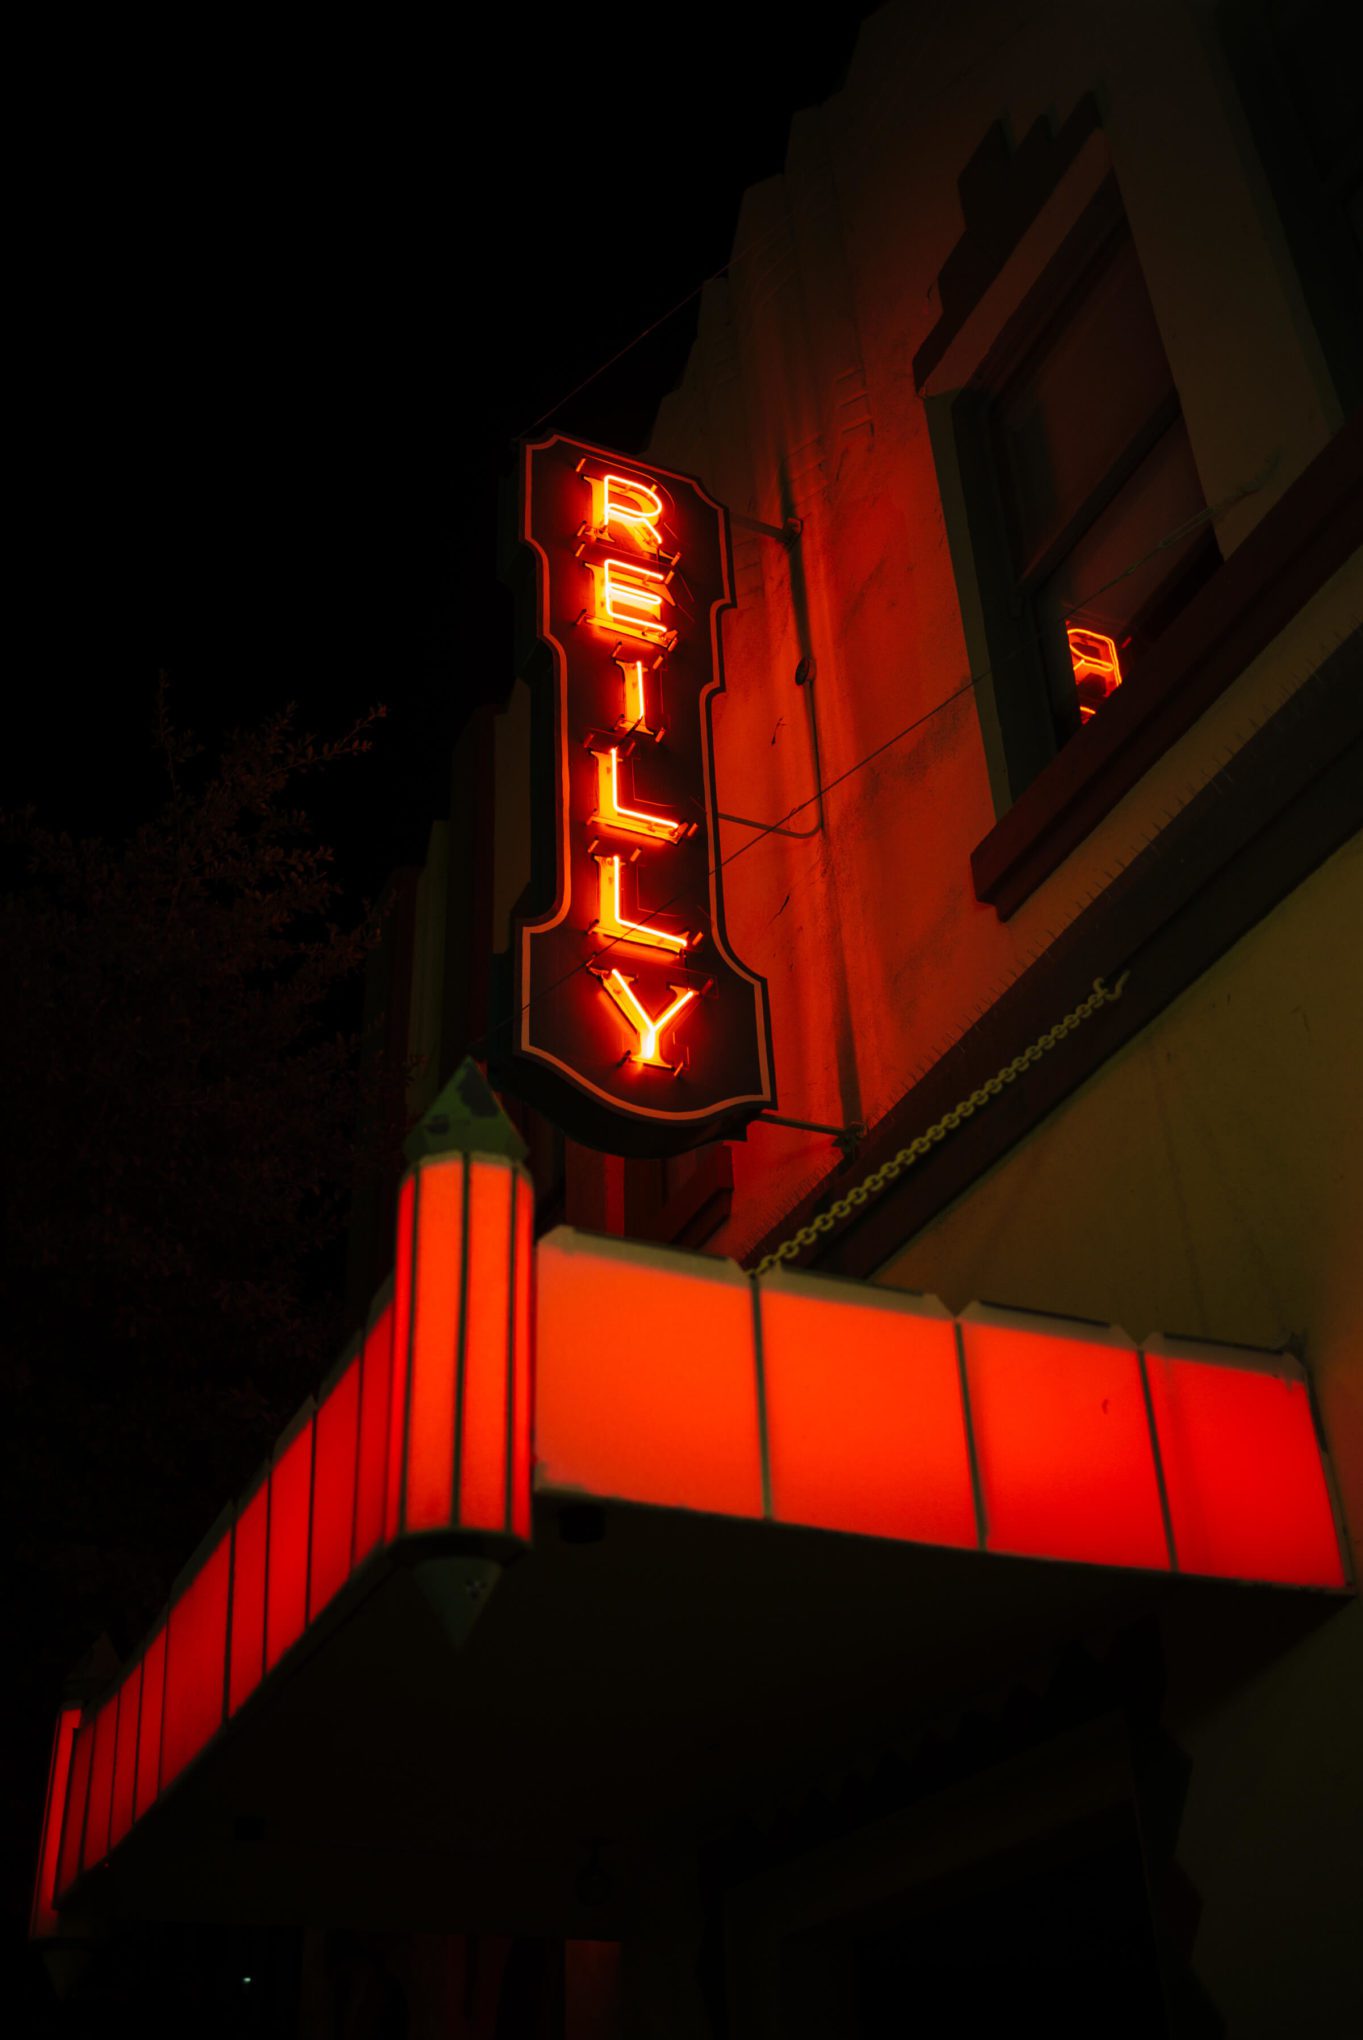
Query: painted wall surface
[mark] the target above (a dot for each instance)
(799, 399)
(1211, 1177)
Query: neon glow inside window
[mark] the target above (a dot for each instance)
(1100, 495)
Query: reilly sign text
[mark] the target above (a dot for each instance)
(634, 1024)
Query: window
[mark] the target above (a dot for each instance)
(1084, 498)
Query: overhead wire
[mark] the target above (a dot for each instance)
(762, 830)
(621, 352)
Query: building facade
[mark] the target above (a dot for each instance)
(1032, 392)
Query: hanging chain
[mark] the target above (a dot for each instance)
(888, 1172)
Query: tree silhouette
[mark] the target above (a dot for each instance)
(182, 1081)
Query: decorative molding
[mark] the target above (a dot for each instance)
(1002, 190)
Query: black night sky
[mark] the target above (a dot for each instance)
(288, 304)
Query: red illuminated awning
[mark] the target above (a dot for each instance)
(674, 1381)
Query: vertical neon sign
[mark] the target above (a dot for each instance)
(635, 1025)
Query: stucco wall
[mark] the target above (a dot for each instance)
(1208, 1180)
(799, 398)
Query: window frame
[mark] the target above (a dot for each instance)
(1287, 555)
(1035, 708)
(1004, 312)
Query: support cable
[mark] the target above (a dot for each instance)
(889, 1172)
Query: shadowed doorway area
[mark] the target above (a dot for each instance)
(1049, 1932)
(1055, 1938)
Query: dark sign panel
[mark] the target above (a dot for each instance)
(635, 1026)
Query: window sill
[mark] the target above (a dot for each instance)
(1292, 551)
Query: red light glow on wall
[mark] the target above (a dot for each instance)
(636, 1027)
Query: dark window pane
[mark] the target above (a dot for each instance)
(1074, 407)
(1142, 542)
